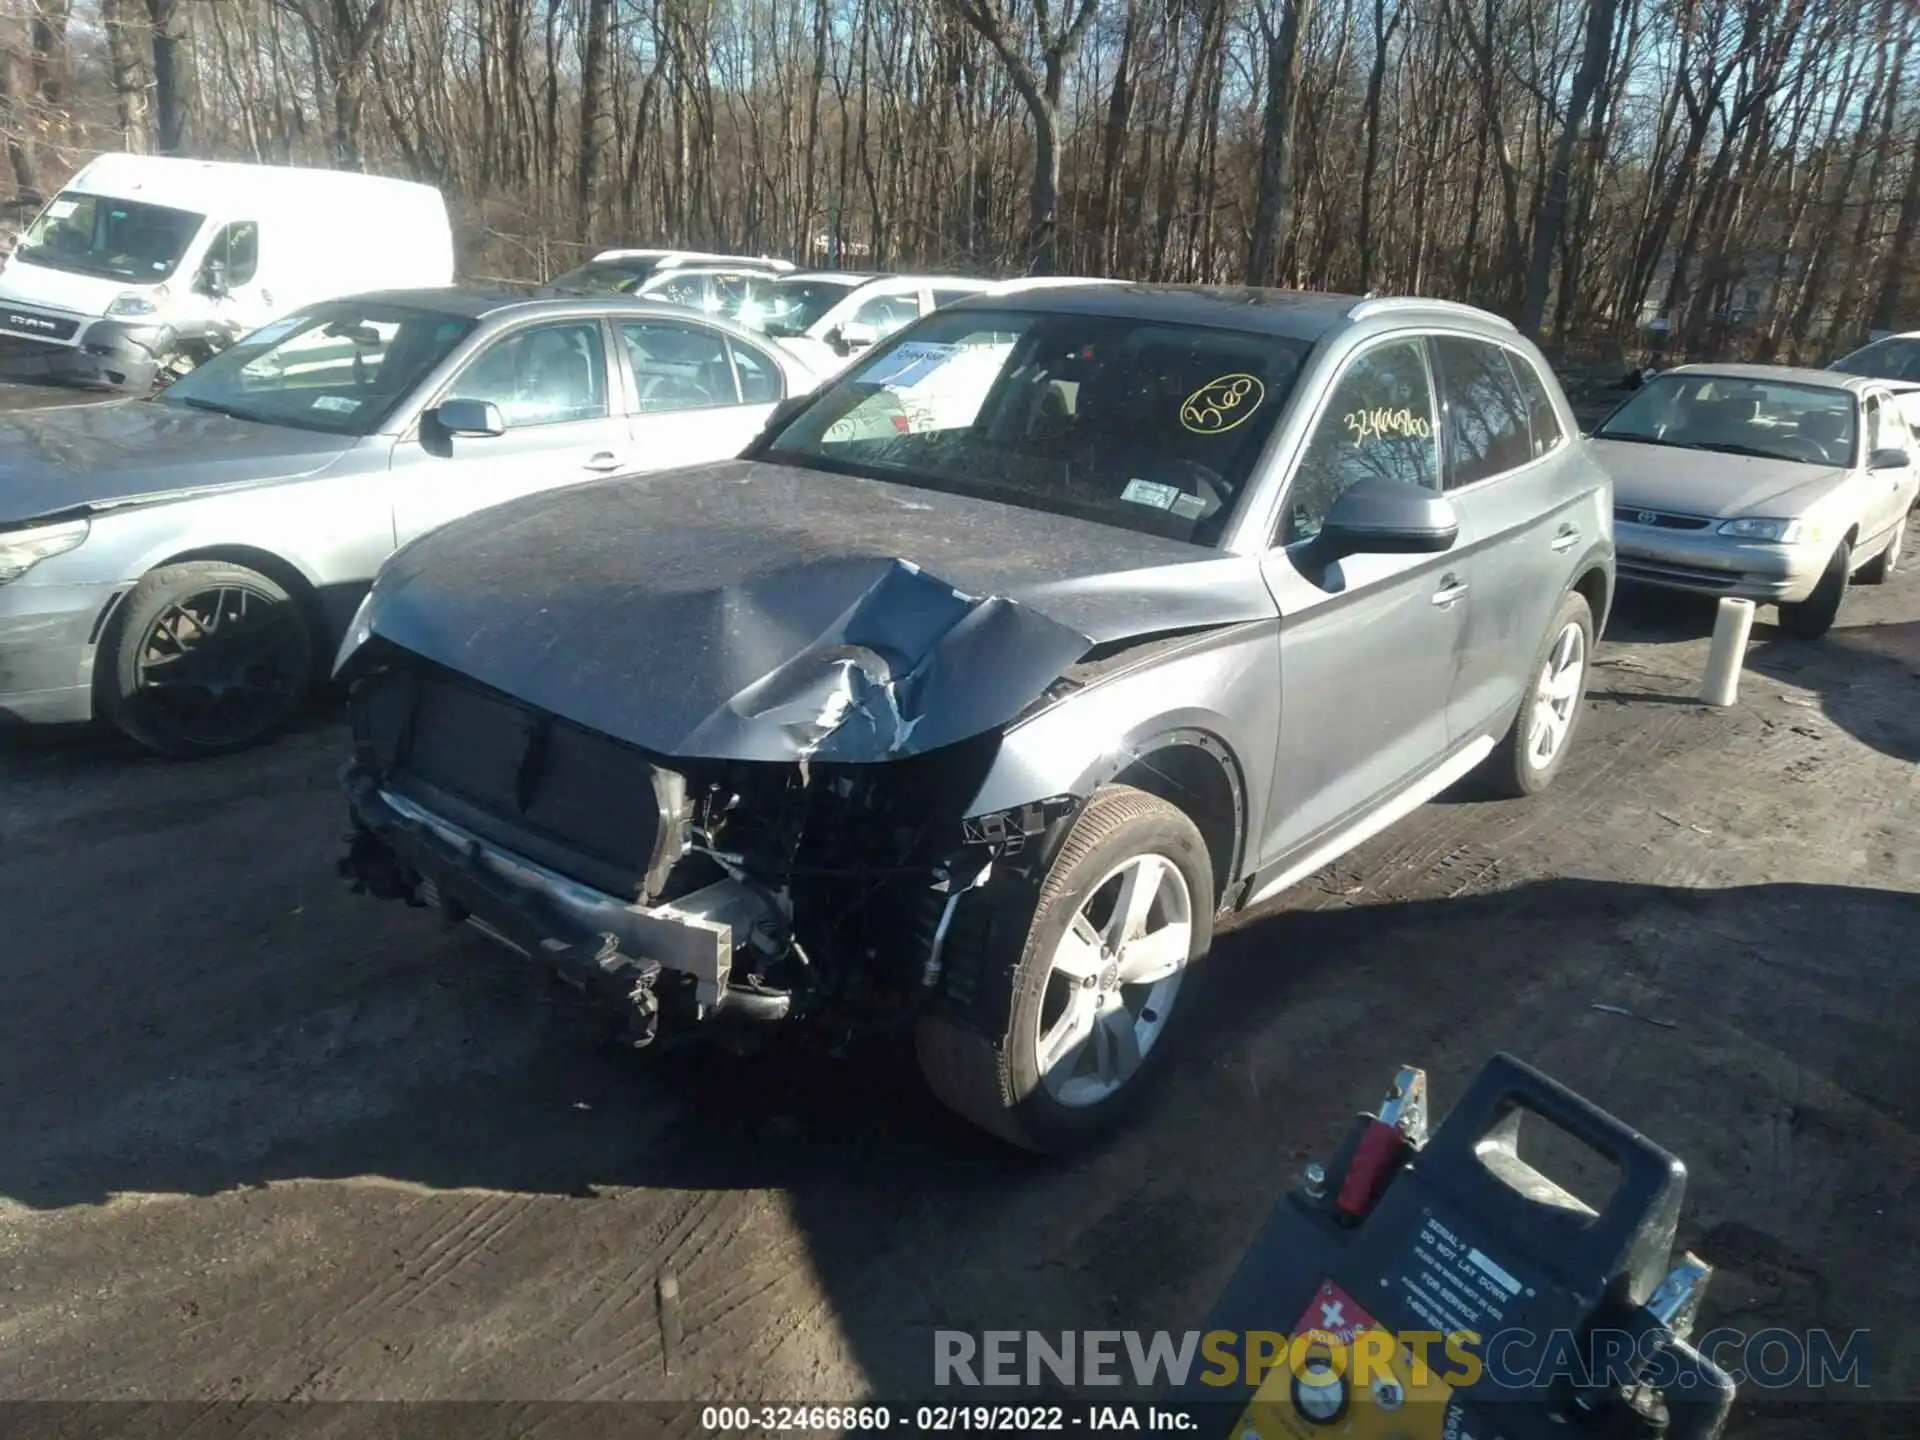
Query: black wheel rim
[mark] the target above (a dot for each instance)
(222, 666)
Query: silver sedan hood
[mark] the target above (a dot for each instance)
(756, 612)
(1708, 483)
(79, 457)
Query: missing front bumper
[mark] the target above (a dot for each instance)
(616, 949)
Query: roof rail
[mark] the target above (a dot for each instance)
(1391, 304)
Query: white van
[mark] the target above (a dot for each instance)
(145, 264)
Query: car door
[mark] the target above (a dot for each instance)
(1887, 493)
(699, 394)
(1367, 644)
(1503, 442)
(550, 381)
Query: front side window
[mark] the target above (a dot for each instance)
(678, 367)
(546, 375)
(1379, 424)
(234, 254)
(115, 239)
(1140, 424)
(1736, 415)
(1487, 430)
(790, 308)
(341, 367)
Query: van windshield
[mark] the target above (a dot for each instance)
(114, 239)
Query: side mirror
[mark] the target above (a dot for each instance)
(469, 417)
(213, 278)
(1889, 458)
(852, 336)
(1385, 517)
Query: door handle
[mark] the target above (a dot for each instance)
(605, 462)
(1568, 537)
(1450, 590)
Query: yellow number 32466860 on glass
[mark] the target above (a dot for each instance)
(1222, 403)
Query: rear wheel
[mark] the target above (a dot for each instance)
(1879, 570)
(1542, 733)
(205, 657)
(1814, 616)
(1105, 975)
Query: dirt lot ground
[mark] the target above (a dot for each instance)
(264, 1139)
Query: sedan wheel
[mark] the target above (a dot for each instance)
(1115, 976)
(205, 658)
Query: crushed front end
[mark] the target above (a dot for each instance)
(684, 891)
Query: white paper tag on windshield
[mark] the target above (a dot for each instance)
(1151, 492)
(336, 404)
(279, 330)
(60, 209)
(908, 364)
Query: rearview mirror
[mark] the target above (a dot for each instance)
(1385, 517)
(1890, 458)
(469, 417)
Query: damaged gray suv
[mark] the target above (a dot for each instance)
(993, 674)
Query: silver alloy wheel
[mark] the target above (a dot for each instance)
(1555, 696)
(1113, 980)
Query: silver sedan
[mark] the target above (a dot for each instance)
(1760, 481)
(185, 565)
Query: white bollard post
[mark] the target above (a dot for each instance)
(1729, 651)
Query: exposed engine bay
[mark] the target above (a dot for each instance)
(683, 890)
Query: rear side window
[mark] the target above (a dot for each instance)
(1487, 432)
(759, 376)
(1541, 414)
(679, 367)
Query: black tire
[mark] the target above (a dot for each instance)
(997, 1083)
(235, 689)
(1814, 616)
(1512, 770)
(1879, 570)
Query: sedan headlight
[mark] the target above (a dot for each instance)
(1778, 532)
(21, 550)
(133, 304)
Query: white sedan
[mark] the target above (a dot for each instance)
(1775, 484)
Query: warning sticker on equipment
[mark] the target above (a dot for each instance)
(1452, 1285)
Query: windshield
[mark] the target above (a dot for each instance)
(791, 307)
(1774, 420)
(622, 277)
(1135, 423)
(114, 239)
(341, 367)
(1895, 358)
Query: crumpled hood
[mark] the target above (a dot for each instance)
(79, 455)
(1706, 482)
(755, 612)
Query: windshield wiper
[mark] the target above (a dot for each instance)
(194, 402)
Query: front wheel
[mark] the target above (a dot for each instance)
(1536, 746)
(1814, 616)
(205, 657)
(1106, 973)
(1879, 570)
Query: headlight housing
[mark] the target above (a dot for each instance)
(21, 550)
(136, 304)
(1776, 532)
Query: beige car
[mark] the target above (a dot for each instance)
(1774, 484)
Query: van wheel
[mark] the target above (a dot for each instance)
(1105, 976)
(203, 658)
(1542, 733)
(1814, 616)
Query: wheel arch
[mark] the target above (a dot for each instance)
(1595, 584)
(275, 566)
(1197, 773)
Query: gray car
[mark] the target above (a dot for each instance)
(187, 564)
(973, 725)
(1763, 482)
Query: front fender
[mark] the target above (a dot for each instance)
(1222, 688)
